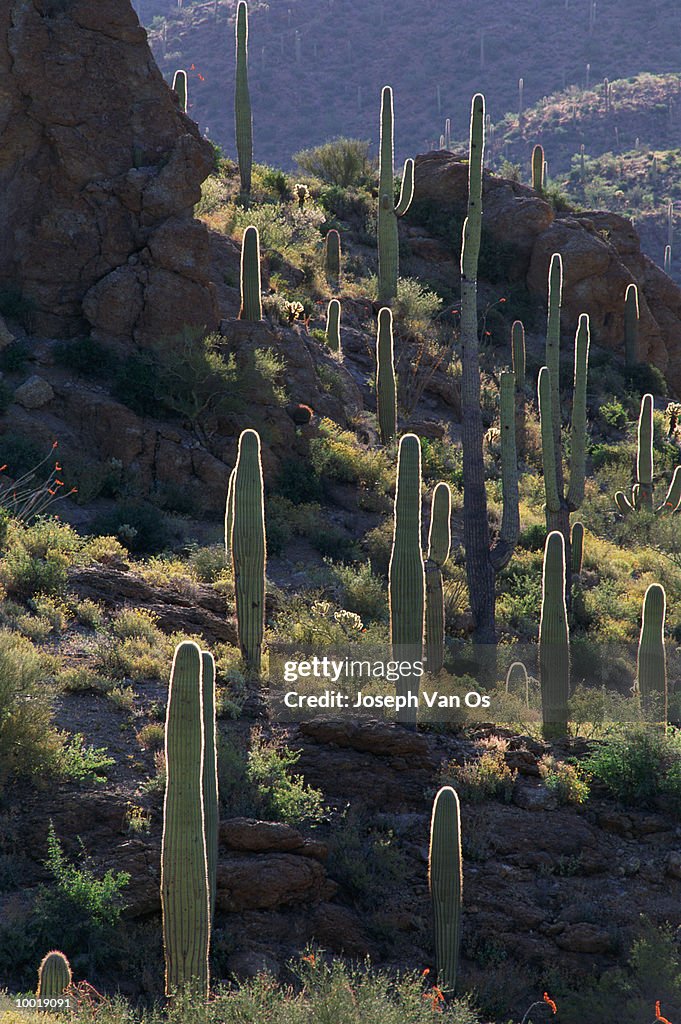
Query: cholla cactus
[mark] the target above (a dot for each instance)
(301, 192)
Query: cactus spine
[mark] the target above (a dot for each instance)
(333, 315)
(652, 663)
(251, 302)
(642, 491)
(439, 541)
(554, 640)
(482, 560)
(180, 89)
(386, 384)
(54, 975)
(185, 899)
(538, 168)
(445, 882)
(388, 212)
(242, 101)
(332, 259)
(631, 318)
(248, 549)
(211, 812)
(406, 576)
(518, 357)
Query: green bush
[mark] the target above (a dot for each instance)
(342, 162)
(564, 780)
(361, 591)
(29, 743)
(486, 777)
(641, 767)
(366, 860)
(87, 357)
(139, 526)
(14, 357)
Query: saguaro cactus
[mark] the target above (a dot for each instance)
(439, 540)
(248, 549)
(406, 576)
(554, 640)
(251, 302)
(577, 548)
(333, 315)
(483, 561)
(54, 975)
(229, 516)
(386, 384)
(631, 319)
(445, 881)
(652, 661)
(517, 670)
(538, 168)
(242, 101)
(185, 898)
(642, 491)
(388, 212)
(332, 259)
(211, 814)
(180, 89)
(518, 357)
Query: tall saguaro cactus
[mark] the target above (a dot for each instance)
(185, 897)
(554, 640)
(439, 541)
(332, 259)
(445, 881)
(229, 516)
(251, 301)
(388, 212)
(248, 549)
(652, 662)
(631, 319)
(406, 576)
(54, 975)
(518, 357)
(538, 166)
(242, 101)
(211, 812)
(180, 89)
(386, 384)
(483, 560)
(642, 491)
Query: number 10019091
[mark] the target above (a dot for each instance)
(63, 1003)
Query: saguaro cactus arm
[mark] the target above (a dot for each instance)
(652, 662)
(386, 385)
(242, 100)
(575, 495)
(251, 301)
(502, 551)
(388, 212)
(407, 189)
(644, 459)
(210, 775)
(549, 454)
(439, 541)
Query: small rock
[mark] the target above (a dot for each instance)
(6, 336)
(249, 964)
(585, 938)
(632, 866)
(34, 393)
(613, 821)
(674, 864)
(534, 798)
(257, 836)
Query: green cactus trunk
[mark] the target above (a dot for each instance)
(251, 302)
(185, 898)
(577, 548)
(388, 212)
(644, 458)
(652, 662)
(332, 259)
(180, 89)
(386, 384)
(518, 362)
(211, 813)
(333, 316)
(439, 540)
(631, 320)
(554, 641)
(229, 517)
(54, 976)
(445, 882)
(538, 169)
(248, 550)
(242, 101)
(406, 576)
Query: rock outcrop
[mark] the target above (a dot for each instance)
(601, 255)
(99, 173)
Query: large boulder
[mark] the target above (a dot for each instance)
(99, 173)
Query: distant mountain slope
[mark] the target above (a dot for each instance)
(317, 66)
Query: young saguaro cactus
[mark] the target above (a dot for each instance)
(251, 301)
(439, 541)
(180, 89)
(388, 212)
(642, 491)
(211, 812)
(577, 548)
(538, 168)
(518, 357)
(631, 320)
(517, 669)
(242, 101)
(332, 259)
(54, 975)
(386, 384)
(333, 316)
(248, 549)
(185, 896)
(652, 662)
(483, 560)
(445, 881)
(406, 574)
(554, 640)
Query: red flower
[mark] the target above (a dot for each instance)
(658, 1014)
(549, 1000)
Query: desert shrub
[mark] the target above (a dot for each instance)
(361, 591)
(338, 455)
(28, 741)
(14, 357)
(488, 776)
(365, 859)
(614, 414)
(78, 761)
(564, 780)
(151, 736)
(87, 357)
(643, 378)
(139, 526)
(342, 162)
(640, 767)
(135, 622)
(299, 482)
(414, 304)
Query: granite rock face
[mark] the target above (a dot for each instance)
(99, 173)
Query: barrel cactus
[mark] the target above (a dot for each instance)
(439, 540)
(185, 897)
(406, 577)
(242, 101)
(251, 302)
(445, 881)
(386, 385)
(388, 211)
(332, 259)
(54, 976)
(554, 640)
(652, 662)
(248, 549)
